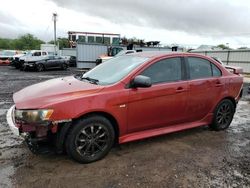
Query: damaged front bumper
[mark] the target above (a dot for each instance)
(11, 121)
(40, 139)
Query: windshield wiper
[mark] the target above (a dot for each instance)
(91, 80)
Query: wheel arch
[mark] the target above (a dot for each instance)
(229, 98)
(110, 117)
(232, 100)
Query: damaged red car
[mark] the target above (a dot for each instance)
(127, 98)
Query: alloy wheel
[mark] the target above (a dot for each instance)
(224, 115)
(91, 140)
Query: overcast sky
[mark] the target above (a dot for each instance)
(187, 22)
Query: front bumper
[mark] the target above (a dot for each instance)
(29, 65)
(4, 62)
(10, 120)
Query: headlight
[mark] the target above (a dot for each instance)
(33, 116)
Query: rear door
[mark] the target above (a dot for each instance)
(162, 104)
(205, 87)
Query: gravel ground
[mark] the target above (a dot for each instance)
(194, 158)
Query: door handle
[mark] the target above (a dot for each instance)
(180, 89)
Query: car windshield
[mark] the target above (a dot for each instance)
(8, 53)
(28, 53)
(114, 70)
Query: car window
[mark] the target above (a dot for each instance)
(216, 70)
(37, 54)
(167, 70)
(44, 53)
(199, 68)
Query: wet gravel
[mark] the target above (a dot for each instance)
(194, 158)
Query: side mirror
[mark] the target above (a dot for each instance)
(141, 81)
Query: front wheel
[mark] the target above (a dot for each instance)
(40, 67)
(90, 139)
(223, 115)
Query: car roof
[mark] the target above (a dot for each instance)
(156, 54)
(159, 54)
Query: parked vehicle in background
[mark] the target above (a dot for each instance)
(71, 59)
(51, 62)
(16, 58)
(230, 68)
(111, 52)
(31, 57)
(127, 98)
(104, 58)
(6, 56)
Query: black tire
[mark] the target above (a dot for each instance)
(223, 115)
(21, 68)
(90, 139)
(64, 66)
(40, 67)
(24, 68)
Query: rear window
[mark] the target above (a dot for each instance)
(199, 68)
(216, 70)
(202, 68)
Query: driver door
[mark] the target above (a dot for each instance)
(162, 104)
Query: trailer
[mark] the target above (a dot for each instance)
(50, 48)
(68, 52)
(88, 53)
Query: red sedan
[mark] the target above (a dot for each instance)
(127, 98)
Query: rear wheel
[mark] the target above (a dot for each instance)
(90, 139)
(64, 66)
(223, 115)
(40, 67)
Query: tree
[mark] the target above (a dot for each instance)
(27, 42)
(24, 42)
(223, 46)
(5, 43)
(63, 42)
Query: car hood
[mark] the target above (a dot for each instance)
(53, 91)
(5, 56)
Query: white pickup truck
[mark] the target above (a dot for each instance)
(31, 56)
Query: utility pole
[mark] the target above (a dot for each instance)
(54, 20)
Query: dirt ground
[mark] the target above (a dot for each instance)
(194, 158)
